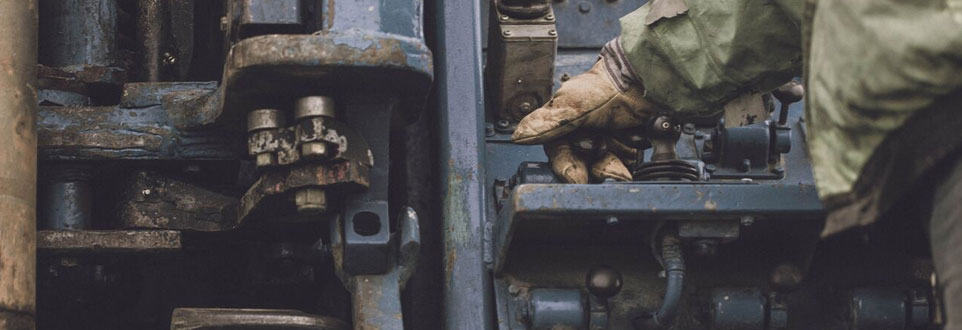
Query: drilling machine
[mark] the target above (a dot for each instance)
(334, 164)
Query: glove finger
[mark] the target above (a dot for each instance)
(610, 166)
(623, 151)
(565, 162)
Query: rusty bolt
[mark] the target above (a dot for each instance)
(310, 201)
(506, 33)
(525, 107)
(314, 150)
(265, 159)
(264, 119)
(314, 106)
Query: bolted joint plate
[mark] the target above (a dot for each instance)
(270, 197)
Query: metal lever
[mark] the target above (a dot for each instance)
(787, 94)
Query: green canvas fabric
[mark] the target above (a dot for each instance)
(871, 65)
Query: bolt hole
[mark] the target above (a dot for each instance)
(366, 224)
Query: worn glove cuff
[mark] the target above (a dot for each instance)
(617, 66)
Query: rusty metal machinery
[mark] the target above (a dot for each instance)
(217, 164)
(334, 164)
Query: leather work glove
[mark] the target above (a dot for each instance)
(599, 102)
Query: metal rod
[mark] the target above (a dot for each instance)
(466, 283)
(18, 163)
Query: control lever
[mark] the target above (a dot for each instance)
(787, 94)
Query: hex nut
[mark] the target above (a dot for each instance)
(265, 159)
(314, 150)
(314, 106)
(310, 201)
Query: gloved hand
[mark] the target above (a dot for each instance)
(606, 98)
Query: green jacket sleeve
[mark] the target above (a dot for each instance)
(693, 56)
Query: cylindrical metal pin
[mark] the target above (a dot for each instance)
(18, 163)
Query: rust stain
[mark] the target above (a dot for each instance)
(711, 205)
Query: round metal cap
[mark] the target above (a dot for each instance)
(313, 106)
(264, 119)
(603, 282)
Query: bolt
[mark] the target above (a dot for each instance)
(565, 77)
(224, 23)
(314, 106)
(506, 33)
(265, 159)
(710, 168)
(525, 107)
(746, 165)
(145, 192)
(584, 7)
(603, 282)
(310, 201)
(503, 123)
(778, 170)
(488, 129)
(520, 81)
(747, 180)
(514, 289)
(504, 17)
(264, 119)
(552, 32)
(549, 17)
(747, 220)
(313, 149)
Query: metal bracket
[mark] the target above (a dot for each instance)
(376, 299)
(520, 62)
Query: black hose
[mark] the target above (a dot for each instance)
(674, 264)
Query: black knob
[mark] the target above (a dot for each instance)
(790, 92)
(603, 282)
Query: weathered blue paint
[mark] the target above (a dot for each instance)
(466, 296)
(88, 133)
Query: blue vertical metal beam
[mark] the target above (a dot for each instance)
(467, 286)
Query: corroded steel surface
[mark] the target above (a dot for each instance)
(107, 241)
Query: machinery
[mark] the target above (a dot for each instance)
(335, 164)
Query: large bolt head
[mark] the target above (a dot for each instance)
(314, 150)
(603, 282)
(310, 201)
(264, 119)
(313, 106)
